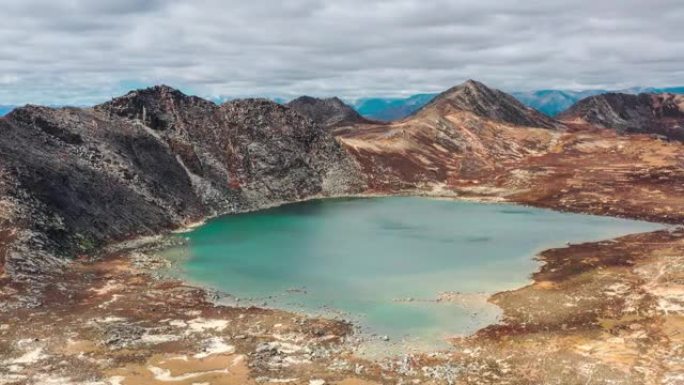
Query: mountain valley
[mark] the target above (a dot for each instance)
(88, 195)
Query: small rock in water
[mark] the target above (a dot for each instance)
(385, 338)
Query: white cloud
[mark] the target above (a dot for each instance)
(83, 52)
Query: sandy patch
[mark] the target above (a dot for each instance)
(200, 325)
(611, 350)
(107, 288)
(213, 346)
(158, 338)
(76, 347)
(356, 381)
(107, 320)
(30, 357)
(220, 369)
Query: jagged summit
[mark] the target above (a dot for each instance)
(159, 88)
(157, 106)
(161, 106)
(328, 112)
(158, 93)
(475, 97)
(661, 114)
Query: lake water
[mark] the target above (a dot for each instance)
(384, 262)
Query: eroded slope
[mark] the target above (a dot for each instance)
(74, 179)
(660, 114)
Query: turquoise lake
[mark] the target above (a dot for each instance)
(384, 262)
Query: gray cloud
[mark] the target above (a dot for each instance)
(83, 51)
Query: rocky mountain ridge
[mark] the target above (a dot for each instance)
(74, 179)
(451, 148)
(550, 102)
(329, 113)
(660, 114)
(489, 103)
(466, 131)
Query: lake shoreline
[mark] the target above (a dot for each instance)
(118, 286)
(346, 223)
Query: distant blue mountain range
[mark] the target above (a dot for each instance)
(553, 102)
(386, 109)
(550, 102)
(4, 110)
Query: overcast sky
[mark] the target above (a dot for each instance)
(86, 51)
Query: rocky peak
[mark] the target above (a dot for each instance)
(327, 113)
(661, 114)
(158, 107)
(475, 97)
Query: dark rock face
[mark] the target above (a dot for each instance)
(74, 179)
(475, 97)
(77, 180)
(248, 145)
(661, 114)
(328, 113)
